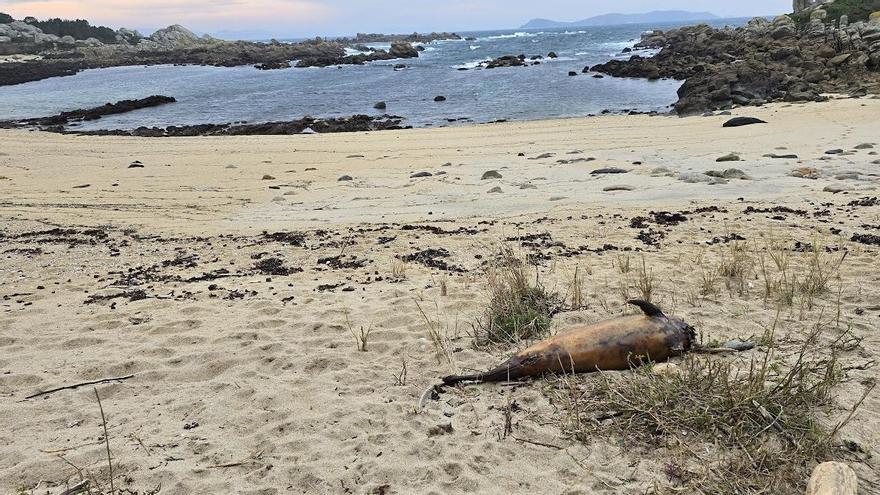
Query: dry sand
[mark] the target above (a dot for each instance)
(250, 382)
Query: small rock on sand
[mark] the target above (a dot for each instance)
(557, 198)
(837, 151)
(787, 156)
(731, 173)
(268, 177)
(277, 199)
(136, 164)
(833, 478)
(741, 121)
(730, 157)
(528, 186)
(836, 188)
(491, 174)
(662, 172)
(805, 173)
(665, 369)
(608, 170)
(495, 190)
(695, 178)
(419, 175)
(231, 166)
(344, 178)
(620, 187)
(865, 146)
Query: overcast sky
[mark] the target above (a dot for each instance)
(301, 18)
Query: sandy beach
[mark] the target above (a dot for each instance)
(228, 277)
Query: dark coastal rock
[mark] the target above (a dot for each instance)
(758, 63)
(741, 121)
(275, 65)
(355, 123)
(88, 114)
(506, 61)
(439, 98)
(572, 73)
(380, 106)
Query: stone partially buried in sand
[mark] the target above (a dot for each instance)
(741, 121)
(491, 174)
(806, 173)
(344, 178)
(619, 187)
(730, 157)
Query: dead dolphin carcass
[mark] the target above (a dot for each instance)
(617, 344)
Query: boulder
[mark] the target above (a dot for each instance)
(402, 49)
(175, 37)
(833, 478)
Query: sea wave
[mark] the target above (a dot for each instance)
(475, 47)
(519, 34)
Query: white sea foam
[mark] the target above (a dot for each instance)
(475, 47)
(514, 35)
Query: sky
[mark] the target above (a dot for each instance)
(306, 18)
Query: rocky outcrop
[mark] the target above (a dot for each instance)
(88, 114)
(307, 125)
(362, 38)
(399, 49)
(760, 62)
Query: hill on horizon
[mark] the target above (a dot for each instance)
(613, 19)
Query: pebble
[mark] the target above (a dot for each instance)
(620, 187)
(136, 164)
(344, 178)
(774, 155)
(836, 188)
(837, 151)
(439, 98)
(268, 177)
(495, 190)
(730, 157)
(557, 198)
(420, 174)
(805, 173)
(491, 174)
(608, 170)
(865, 146)
(528, 186)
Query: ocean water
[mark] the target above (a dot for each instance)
(218, 95)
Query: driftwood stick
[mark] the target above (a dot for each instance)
(77, 385)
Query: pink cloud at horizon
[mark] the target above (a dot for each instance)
(202, 15)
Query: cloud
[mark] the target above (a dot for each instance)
(202, 15)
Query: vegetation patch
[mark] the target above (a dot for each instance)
(724, 426)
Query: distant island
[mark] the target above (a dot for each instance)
(614, 19)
